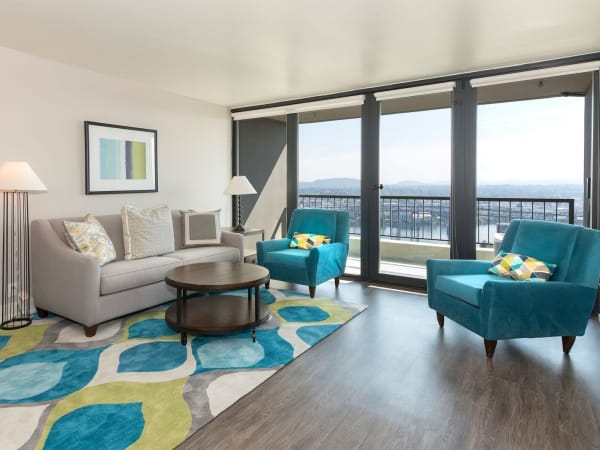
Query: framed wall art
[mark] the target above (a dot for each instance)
(120, 159)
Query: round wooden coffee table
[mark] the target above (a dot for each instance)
(216, 314)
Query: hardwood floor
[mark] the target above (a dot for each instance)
(391, 378)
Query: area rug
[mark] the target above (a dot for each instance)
(133, 385)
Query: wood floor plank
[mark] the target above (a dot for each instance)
(391, 378)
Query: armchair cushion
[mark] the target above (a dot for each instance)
(466, 287)
(291, 258)
(314, 221)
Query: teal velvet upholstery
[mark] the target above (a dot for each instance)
(308, 267)
(500, 308)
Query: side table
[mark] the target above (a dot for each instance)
(249, 251)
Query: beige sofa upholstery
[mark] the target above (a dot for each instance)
(73, 285)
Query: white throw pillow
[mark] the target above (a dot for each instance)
(147, 232)
(201, 228)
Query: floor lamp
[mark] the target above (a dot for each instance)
(17, 180)
(239, 185)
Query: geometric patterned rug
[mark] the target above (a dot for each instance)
(133, 385)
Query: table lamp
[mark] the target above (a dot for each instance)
(239, 185)
(17, 180)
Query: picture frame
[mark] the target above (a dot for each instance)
(120, 159)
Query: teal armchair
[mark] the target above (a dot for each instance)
(309, 267)
(498, 308)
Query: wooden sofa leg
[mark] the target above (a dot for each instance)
(490, 347)
(90, 331)
(567, 342)
(41, 312)
(440, 319)
(337, 282)
(267, 284)
(311, 291)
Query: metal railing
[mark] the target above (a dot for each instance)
(427, 218)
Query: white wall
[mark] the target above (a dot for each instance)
(42, 109)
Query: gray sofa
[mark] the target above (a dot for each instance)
(74, 286)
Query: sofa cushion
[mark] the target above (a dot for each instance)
(292, 258)
(206, 254)
(466, 287)
(147, 232)
(122, 275)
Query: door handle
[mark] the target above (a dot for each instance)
(378, 186)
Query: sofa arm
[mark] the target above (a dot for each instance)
(64, 281)
(534, 309)
(326, 262)
(273, 245)
(236, 240)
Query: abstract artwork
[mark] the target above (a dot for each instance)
(120, 159)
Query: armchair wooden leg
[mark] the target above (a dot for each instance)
(440, 319)
(490, 347)
(567, 342)
(41, 312)
(267, 284)
(311, 291)
(337, 282)
(90, 331)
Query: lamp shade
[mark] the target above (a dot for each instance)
(18, 176)
(239, 185)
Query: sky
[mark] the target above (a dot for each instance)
(526, 142)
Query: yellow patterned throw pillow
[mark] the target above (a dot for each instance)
(307, 241)
(521, 267)
(90, 238)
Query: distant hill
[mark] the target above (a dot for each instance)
(331, 183)
(351, 186)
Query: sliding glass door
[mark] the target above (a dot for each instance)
(414, 177)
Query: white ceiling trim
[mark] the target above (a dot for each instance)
(341, 102)
(436, 88)
(570, 69)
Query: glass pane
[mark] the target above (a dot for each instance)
(529, 165)
(415, 173)
(329, 170)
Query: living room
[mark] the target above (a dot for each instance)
(232, 89)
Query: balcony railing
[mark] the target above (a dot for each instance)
(426, 218)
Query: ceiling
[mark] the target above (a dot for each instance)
(241, 52)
